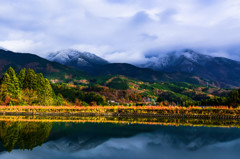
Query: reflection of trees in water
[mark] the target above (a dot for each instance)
(23, 135)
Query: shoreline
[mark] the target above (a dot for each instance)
(221, 123)
(167, 116)
(122, 111)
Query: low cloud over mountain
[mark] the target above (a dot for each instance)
(122, 30)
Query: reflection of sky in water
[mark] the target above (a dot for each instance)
(141, 146)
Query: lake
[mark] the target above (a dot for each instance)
(106, 140)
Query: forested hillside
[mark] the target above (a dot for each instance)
(30, 88)
(51, 70)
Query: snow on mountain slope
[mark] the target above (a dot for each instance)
(76, 59)
(218, 69)
(186, 57)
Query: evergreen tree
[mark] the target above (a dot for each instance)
(46, 93)
(30, 80)
(14, 83)
(21, 77)
(6, 81)
(4, 94)
(34, 88)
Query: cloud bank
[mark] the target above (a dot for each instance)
(121, 30)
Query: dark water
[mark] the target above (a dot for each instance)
(22, 140)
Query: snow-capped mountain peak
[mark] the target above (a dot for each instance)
(194, 56)
(185, 57)
(76, 58)
(218, 69)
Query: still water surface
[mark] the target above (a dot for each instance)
(29, 140)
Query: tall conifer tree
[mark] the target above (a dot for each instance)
(21, 77)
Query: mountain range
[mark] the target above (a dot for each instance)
(184, 65)
(74, 58)
(181, 66)
(49, 69)
(96, 66)
(224, 71)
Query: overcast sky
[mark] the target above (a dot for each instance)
(121, 30)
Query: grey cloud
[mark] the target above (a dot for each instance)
(167, 15)
(123, 27)
(145, 36)
(140, 18)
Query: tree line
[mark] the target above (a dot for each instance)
(231, 100)
(30, 88)
(25, 88)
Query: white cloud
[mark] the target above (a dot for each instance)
(120, 30)
(20, 45)
(98, 50)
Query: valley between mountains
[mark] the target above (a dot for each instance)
(182, 77)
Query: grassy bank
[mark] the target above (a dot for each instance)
(190, 112)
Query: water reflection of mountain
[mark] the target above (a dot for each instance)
(194, 138)
(81, 136)
(23, 135)
(75, 137)
(88, 136)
